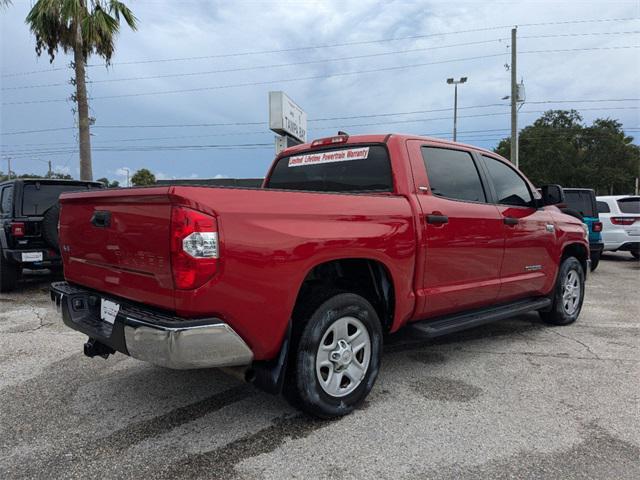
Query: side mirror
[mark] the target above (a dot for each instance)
(552, 194)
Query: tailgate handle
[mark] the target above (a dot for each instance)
(101, 218)
(510, 221)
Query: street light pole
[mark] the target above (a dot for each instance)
(455, 83)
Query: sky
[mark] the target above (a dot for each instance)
(359, 66)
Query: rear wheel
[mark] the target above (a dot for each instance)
(9, 274)
(595, 260)
(335, 358)
(568, 294)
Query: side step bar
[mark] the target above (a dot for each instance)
(461, 321)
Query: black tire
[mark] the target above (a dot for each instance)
(559, 314)
(595, 260)
(50, 226)
(9, 274)
(302, 387)
(635, 254)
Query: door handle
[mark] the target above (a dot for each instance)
(437, 219)
(510, 221)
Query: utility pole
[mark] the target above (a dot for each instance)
(9, 167)
(127, 176)
(451, 81)
(50, 172)
(514, 101)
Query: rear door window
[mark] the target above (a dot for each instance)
(581, 201)
(629, 205)
(511, 189)
(357, 168)
(603, 207)
(453, 174)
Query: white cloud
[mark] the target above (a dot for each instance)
(219, 175)
(194, 175)
(63, 169)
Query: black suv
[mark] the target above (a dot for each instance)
(29, 225)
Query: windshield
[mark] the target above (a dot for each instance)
(582, 201)
(38, 197)
(629, 205)
(346, 169)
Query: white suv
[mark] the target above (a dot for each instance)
(620, 217)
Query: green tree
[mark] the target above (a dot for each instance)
(143, 177)
(559, 148)
(84, 27)
(108, 184)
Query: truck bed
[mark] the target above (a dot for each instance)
(268, 242)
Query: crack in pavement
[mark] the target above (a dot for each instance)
(587, 347)
(554, 355)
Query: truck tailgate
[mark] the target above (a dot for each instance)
(118, 241)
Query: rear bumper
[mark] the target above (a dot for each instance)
(625, 246)
(48, 259)
(595, 249)
(149, 335)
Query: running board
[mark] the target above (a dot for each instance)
(461, 321)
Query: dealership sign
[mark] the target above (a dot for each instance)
(286, 117)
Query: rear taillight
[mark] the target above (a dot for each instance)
(17, 229)
(596, 227)
(623, 220)
(194, 247)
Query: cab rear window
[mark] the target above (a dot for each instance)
(357, 168)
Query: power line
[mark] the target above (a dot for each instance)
(332, 127)
(310, 62)
(264, 82)
(259, 67)
(316, 77)
(343, 44)
(322, 119)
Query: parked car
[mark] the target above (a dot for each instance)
(29, 225)
(620, 216)
(349, 238)
(583, 202)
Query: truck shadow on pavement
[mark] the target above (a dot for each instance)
(81, 415)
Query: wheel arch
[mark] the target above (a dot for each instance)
(368, 277)
(579, 251)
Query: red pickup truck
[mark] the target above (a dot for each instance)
(349, 238)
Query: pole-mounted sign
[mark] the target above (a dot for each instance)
(286, 117)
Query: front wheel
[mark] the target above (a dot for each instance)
(568, 294)
(336, 358)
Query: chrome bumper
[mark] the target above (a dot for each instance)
(203, 346)
(149, 335)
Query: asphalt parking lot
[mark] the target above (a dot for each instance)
(517, 399)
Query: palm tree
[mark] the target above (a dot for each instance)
(84, 27)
